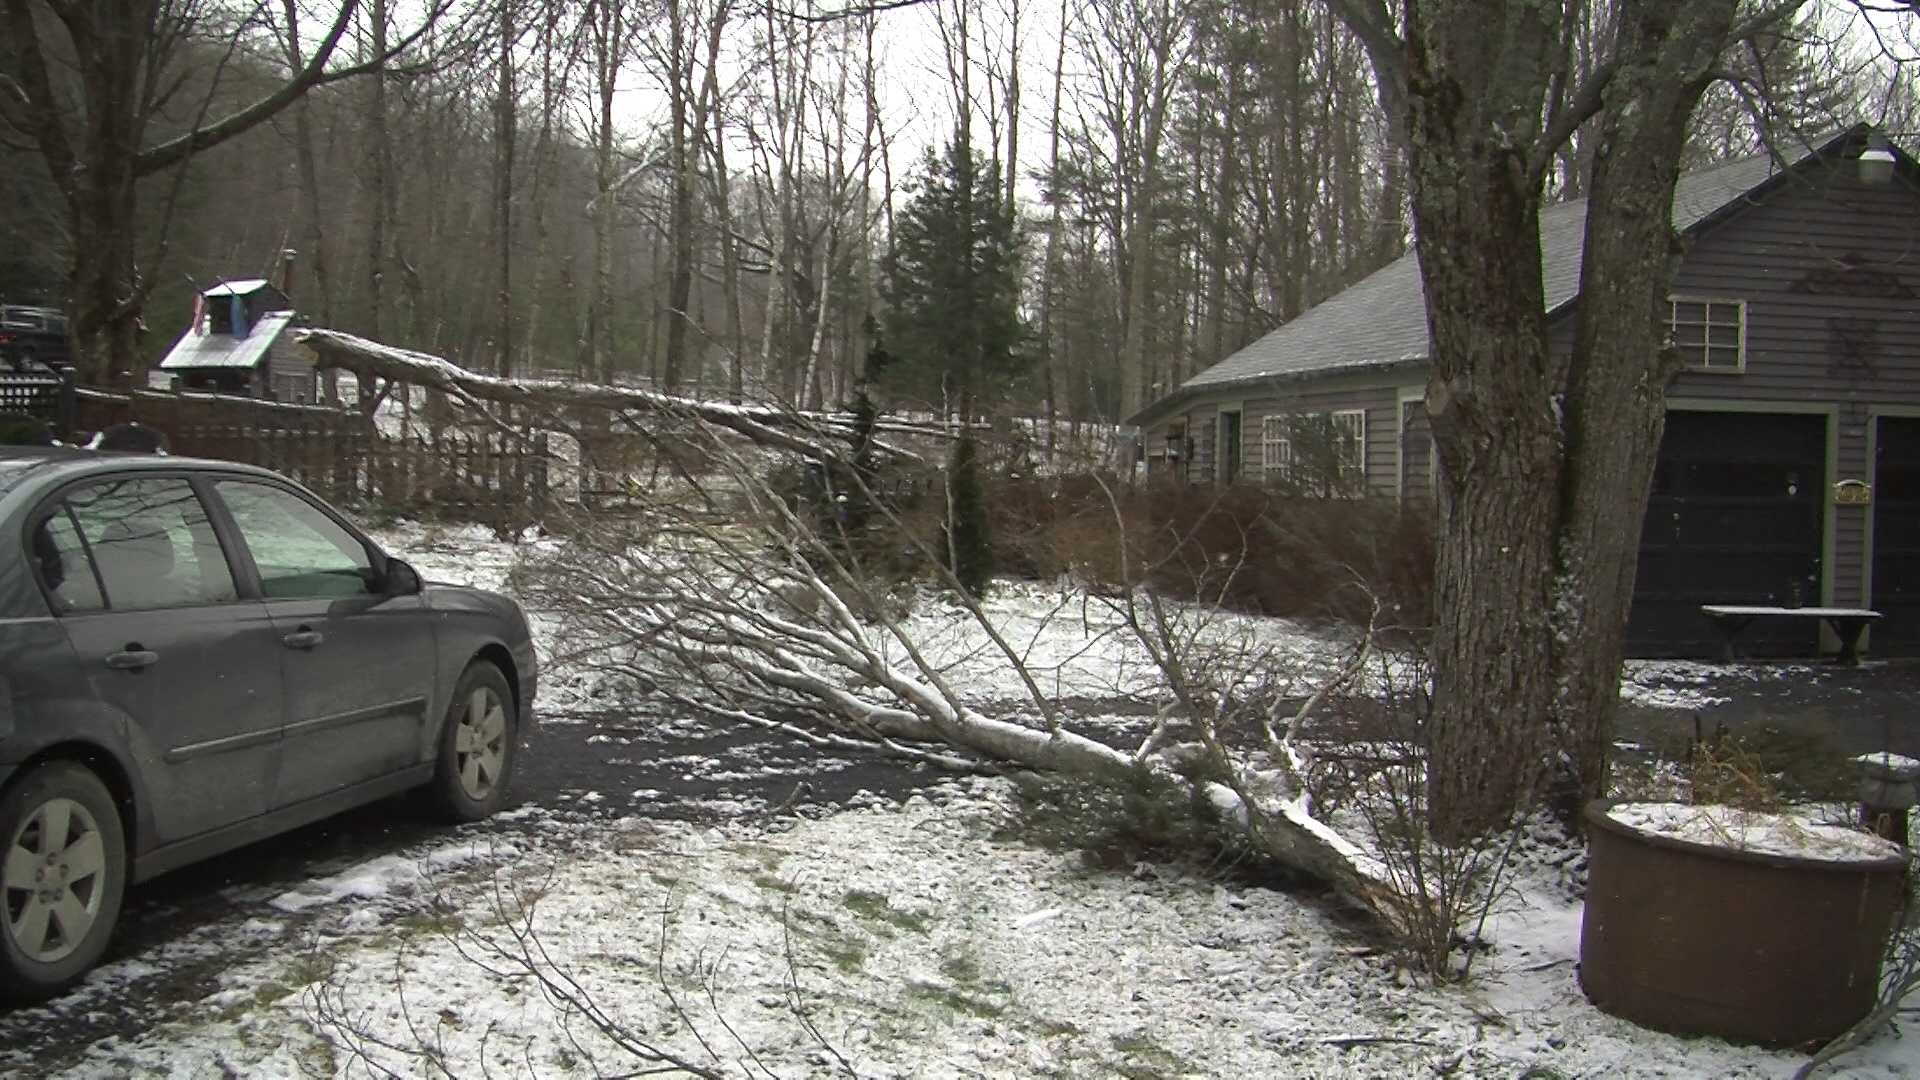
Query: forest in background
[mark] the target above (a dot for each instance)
(750, 201)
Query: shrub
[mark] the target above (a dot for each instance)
(1247, 547)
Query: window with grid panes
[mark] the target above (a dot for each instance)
(1276, 448)
(1709, 334)
(1350, 449)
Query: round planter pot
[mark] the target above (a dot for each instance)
(1698, 939)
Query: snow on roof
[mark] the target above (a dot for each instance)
(237, 288)
(224, 350)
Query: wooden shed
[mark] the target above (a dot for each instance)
(240, 343)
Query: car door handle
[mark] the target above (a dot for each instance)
(303, 639)
(132, 659)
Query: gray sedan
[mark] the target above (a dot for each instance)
(195, 655)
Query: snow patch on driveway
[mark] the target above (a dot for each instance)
(387, 875)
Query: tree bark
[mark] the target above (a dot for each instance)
(680, 222)
(379, 197)
(318, 298)
(504, 133)
(1616, 393)
(1474, 117)
(1545, 461)
(609, 52)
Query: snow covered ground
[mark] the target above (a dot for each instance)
(915, 939)
(884, 941)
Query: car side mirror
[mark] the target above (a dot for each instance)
(402, 579)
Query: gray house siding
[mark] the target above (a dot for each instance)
(1832, 324)
(1382, 432)
(1200, 421)
(1826, 269)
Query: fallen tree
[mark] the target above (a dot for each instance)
(813, 435)
(748, 601)
(747, 606)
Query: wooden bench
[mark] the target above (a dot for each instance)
(1848, 624)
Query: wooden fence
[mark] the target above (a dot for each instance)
(490, 476)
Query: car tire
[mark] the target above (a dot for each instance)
(63, 872)
(478, 742)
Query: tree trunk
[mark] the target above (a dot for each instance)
(319, 300)
(503, 135)
(1476, 99)
(609, 39)
(1545, 462)
(1616, 394)
(105, 286)
(104, 283)
(380, 183)
(680, 221)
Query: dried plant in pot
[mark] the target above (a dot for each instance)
(1737, 918)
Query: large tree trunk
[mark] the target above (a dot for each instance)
(1545, 463)
(105, 284)
(1616, 392)
(1474, 121)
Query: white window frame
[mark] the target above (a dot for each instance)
(1704, 354)
(1353, 465)
(1276, 447)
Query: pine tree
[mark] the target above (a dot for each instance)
(953, 288)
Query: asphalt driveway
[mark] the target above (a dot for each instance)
(179, 932)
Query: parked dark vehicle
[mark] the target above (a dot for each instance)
(32, 338)
(195, 655)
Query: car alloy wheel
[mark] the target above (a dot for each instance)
(480, 743)
(55, 877)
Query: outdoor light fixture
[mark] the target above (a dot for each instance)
(1876, 162)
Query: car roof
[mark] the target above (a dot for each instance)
(46, 465)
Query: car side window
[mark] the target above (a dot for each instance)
(152, 543)
(61, 561)
(299, 550)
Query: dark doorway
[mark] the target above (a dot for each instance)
(1229, 447)
(1735, 517)
(1896, 537)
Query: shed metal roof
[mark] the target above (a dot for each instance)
(237, 288)
(224, 350)
(1381, 321)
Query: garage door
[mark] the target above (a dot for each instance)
(1896, 537)
(1734, 518)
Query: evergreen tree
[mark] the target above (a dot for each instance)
(953, 288)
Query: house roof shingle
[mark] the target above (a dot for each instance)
(1381, 321)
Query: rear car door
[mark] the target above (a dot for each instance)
(359, 670)
(146, 595)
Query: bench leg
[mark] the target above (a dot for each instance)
(1849, 631)
(1730, 629)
